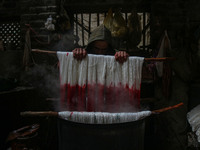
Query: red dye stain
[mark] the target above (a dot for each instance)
(81, 98)
(113, 98)
(70, 117)
(63, 94)
(110, 95)
(100, 98)
(91, 97)
(73, 97)
(67, 54)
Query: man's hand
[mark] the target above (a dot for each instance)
(79, 53)
(121, 56)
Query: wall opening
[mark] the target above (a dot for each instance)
(10, 34)
(84, 23)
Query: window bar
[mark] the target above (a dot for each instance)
(144, 22)
(82, 29)
(76, 28)
(97, 19)
(89, 26)
(126, 18)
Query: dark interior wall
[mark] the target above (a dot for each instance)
(17, 96)
(181, 15)
(173, 18)
(11, 67)
(35, 13)
(104, 5)
(192, 8)
(179, 12)
(181, 19)
(9, 9)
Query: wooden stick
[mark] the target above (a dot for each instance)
(160, 59)
(55, 114)
(146, 59)
(44, 51)
(43, 113)
(166, 108)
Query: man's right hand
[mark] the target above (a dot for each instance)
(121, 56)
(79, 53)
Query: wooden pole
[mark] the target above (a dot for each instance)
(43, 51)
(43, 113)
(146, 59)
(166, 108)
(55, 114)
(160, 59)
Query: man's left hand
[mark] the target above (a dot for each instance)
(121, 56)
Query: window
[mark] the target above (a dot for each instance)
(84, 23)
(10, 34)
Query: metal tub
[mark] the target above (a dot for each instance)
(118, 136)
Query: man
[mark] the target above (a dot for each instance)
(99, 43)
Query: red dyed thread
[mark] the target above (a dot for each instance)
(70, 117)
(100, 98)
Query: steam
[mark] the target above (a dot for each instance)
(62, 41)
(44, 78)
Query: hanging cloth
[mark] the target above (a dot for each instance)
(99, 83)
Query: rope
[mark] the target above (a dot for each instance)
(36, 35)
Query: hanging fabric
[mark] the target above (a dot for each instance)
(99, 83)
